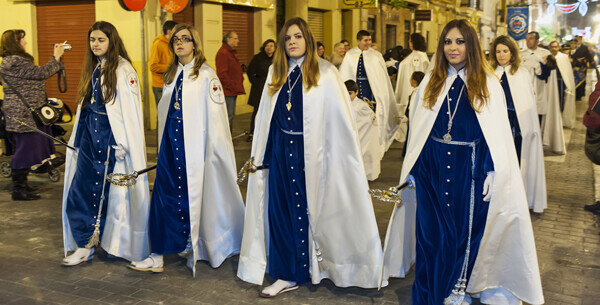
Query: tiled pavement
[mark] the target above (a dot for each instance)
(567, 240)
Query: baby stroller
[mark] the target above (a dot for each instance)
(48, 166)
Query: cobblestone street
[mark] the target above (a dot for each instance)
(31, 248)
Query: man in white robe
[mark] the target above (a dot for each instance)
(367, 68)
(533, 58)
(566, 84)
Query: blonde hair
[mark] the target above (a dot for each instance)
(198, 54)
(310, 66)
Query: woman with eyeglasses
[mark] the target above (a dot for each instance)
(473, 229)
(196, 208)
(309, 216)
(109, 137)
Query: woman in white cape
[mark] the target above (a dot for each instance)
(196, 205)
(109, 115)
(309, 216)
(473, 231)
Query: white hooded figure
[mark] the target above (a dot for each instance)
(367, 68)
(368, 132)
(109, 137)
(196, 208)
(417, 60)
(309, 215)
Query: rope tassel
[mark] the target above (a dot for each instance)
(95, 238)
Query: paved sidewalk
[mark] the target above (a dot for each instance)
(567, 239)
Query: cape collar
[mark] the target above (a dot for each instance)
(293, 63)
(452, 72)
(189, 65)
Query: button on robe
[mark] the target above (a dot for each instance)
(288, 220)
(94, 134)
(169, 210)
(448, 176)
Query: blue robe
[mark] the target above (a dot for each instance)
(364, 88)
(169, 206)
(512, 116)
(562, 87)
(288, 220)
(448, 177)
(93, 137)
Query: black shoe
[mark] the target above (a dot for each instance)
(23, 195)
(593, 207)
(249, 138)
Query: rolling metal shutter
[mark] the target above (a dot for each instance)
(241, 20)
(58, 21)
(315, 22)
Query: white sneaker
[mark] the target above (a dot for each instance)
(79, 256)
(153, 263)
(277, 288)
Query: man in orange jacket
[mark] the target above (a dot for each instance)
(160, 57)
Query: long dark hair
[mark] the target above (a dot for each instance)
(264, 45)
(198, 55)
(310, 66)
(511, 44)
(476, 66)
(116, 49)
(10, 44)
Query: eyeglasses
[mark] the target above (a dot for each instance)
(184, 39)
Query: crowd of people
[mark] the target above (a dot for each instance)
(474, 131)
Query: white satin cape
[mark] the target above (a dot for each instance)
(531, 60)
(341, 212)
(566, 71)
(387, 113)
(415, 61)
(368, 135)
(215, 202)
(507, 260)
(125, 232)
(553, 136)
(532, 152)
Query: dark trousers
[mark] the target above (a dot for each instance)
(254, 112)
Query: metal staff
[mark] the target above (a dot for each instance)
(391, 195)
(95, 238)
(127, 179)
(247, 169)
(40, 132)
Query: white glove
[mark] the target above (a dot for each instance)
(411, 181)
(488, 184)
(119, 152)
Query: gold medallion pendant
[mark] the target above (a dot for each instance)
(177, 106)
(288, 106)
(93, 100)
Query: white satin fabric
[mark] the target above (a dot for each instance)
(125, 232)
(340, 208)
(532, 152)
(387, 111)
(553, 136)
(566, 71)
(368, 134)
(215, 202)
(507, 260)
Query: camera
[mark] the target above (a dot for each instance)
(65, 45)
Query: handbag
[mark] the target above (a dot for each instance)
(46, 114)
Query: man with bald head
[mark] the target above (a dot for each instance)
(230, 74)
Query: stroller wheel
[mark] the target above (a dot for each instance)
(5, 169)
(54, 175)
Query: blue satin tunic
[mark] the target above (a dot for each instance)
(169, 206)
(512, 116)
(288, 220)
(93, 137)
(448, 177)
(364, 88)
(562, 87)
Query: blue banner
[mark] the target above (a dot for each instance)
(517, 19)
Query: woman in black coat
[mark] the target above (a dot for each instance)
(257, 74)
(22, 76)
